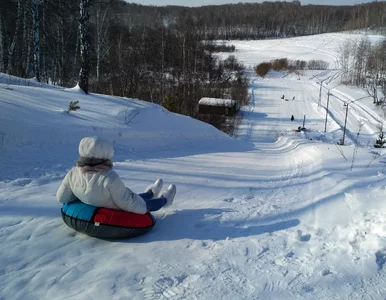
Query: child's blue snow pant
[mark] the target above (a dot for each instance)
(153, 204)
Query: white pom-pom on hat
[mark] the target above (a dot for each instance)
(96, 147)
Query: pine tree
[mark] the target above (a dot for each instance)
(73, 106)
(170, 104)
(380, 141)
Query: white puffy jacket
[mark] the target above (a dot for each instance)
(102, 189)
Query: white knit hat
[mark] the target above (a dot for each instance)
(95, 147)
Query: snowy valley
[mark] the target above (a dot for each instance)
(270, 213)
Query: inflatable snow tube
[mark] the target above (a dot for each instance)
(105, 223)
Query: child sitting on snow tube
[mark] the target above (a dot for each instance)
(93, 182)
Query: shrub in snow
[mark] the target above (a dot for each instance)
(73, 106)
(170, 104)
(279, 64)
(262, 69)
(317, 65)
(380, 141)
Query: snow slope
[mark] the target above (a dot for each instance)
(269, 214)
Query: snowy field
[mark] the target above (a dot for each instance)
(269, 214)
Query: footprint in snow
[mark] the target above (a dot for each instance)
(326, 272)
(303, 237)
(380, 258)
(229, 199)
(290, 254)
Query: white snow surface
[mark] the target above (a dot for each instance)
(268, 214)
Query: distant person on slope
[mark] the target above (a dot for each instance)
(292, 118)
(93, 182)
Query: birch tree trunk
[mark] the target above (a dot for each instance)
(11, 49)
(101, 37)
(1, 44)
(36, 38)
(84, 23)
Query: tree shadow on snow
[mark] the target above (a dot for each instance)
(24, 210)
(206, 224)
(196, 224)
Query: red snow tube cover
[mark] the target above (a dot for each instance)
(105, 223)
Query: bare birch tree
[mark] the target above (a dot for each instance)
(1, 42)
(84, 32)
(36, 38)
(102, 26)
(13, 44)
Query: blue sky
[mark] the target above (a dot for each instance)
(194, 3)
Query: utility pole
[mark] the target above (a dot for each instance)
(345, 123)
(347, 105)
(321, 85)
(320, 91)
(328, 101)
(328, 94)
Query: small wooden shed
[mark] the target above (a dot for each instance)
(218, 106)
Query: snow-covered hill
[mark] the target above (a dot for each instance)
(270, 214)
(34, 121)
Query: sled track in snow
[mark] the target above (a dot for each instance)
(320, 49)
